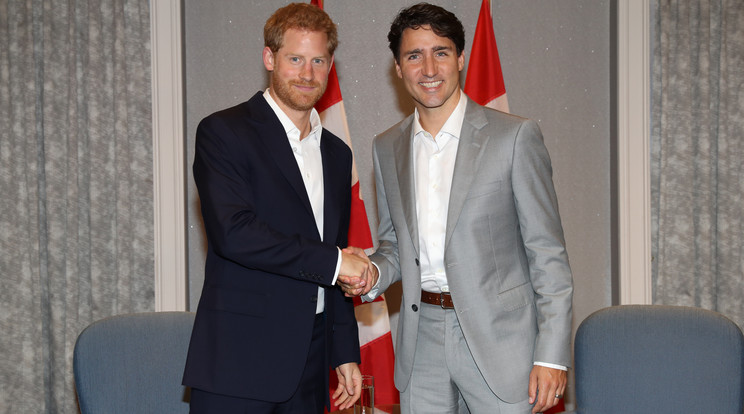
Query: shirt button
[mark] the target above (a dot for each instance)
(414, 307)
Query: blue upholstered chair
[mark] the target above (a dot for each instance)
(133, 364)
(638, 359)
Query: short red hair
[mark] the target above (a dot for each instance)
(302, 16)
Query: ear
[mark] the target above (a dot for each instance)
(461, 61)
(397, 68)
(331, 65)
(268, 59)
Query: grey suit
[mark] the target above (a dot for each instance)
(505, 256)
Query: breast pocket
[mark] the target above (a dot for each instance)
(483, 189)
(491, 177)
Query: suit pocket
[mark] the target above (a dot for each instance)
(483, 189)
(516, 298)
(236, 301)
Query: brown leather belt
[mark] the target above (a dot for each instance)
(443, 299)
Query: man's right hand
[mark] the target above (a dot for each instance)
(353, 280)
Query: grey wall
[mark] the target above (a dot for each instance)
(556, 61)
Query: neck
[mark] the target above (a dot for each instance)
(433, 119)
(300, 119)
(303, 124)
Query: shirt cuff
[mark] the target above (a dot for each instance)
(375, 291)
(554, 366)
(338, 267)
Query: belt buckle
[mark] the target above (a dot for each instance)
(441, 301)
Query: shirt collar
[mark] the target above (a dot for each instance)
(289, 127)
(453, 125)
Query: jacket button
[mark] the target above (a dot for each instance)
(414, 307)
(313, 298)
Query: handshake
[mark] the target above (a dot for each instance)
(357, 275)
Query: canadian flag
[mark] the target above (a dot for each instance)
(375, 339)
(484, 82)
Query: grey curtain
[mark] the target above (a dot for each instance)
(697, 155)
(76, 242)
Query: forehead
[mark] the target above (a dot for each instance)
(305, 41)
(423, 38)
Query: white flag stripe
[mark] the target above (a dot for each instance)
(500, 103)
(373, 321)
(334, 120)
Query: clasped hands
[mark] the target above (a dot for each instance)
(357, 275)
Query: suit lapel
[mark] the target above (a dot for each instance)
(330, 196)
(403, 148)
(272, 134)
(473, 139)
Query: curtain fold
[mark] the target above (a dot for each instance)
(76, 181)
(697, 153)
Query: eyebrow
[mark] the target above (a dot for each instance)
(300, 55)
(434, 49)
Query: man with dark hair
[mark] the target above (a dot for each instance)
(275, 198)
(469, 222)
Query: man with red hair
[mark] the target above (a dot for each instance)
(275, 199)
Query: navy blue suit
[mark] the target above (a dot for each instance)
(265, 258)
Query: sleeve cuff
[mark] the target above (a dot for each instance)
(338, 267)
(375, 291)
(554, 366)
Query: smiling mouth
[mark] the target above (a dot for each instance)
(433, 84)
(305, 86)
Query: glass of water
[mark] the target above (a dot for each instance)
(366, 402)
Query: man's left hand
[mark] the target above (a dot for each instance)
(349, 385)
(546, 387)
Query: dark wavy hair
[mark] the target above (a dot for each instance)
(441, 21)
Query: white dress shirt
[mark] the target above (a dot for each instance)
(433, 166)
(307, 154)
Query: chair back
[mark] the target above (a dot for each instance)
(659, 359)
(133, 363)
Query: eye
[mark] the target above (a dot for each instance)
(319, 61)
(294, 59)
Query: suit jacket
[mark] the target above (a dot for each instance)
(265, 258)
(505, 256)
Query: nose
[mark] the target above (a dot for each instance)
(307, 72)
(429, 68)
